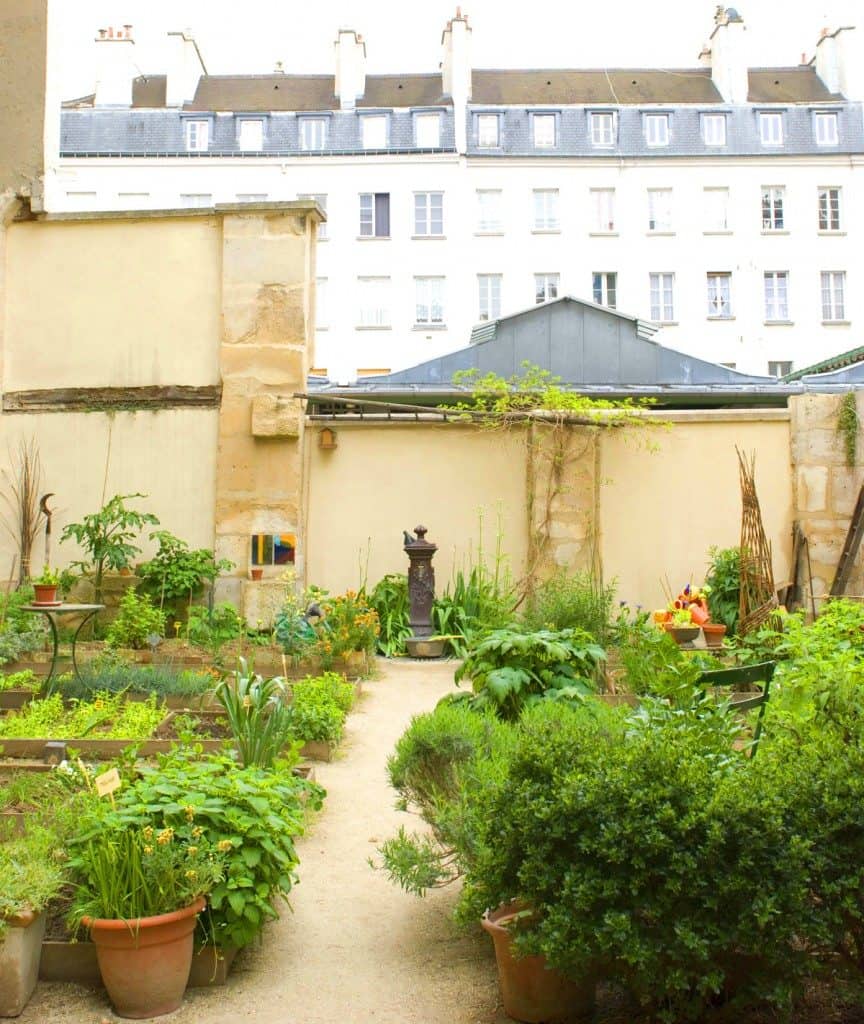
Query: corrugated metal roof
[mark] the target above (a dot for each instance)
(838, 362)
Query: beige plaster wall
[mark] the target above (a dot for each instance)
(122, 303)
(23, 33)
(383, 479)
(170, 456)
(661, 509)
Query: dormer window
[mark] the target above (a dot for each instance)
(313, 133)
(825, 129)
(771, 128)
(488, 131)
(427, 131)
(543, 131)
(374, 131)
(656, 128)
(197, 136)
(714, 129)
(603, 127)
(250, 135)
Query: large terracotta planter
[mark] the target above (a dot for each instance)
(145, 964)
(713, 633)
(531, 990)
(20, 949)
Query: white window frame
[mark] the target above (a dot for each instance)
(722, 194)
(490, 202)
(374, 315)
(603, 284)
(776, 293)
(321, 309)
(196, 200)
(719, 295)
(604, 128)
(826, 129)
(714, 129)
(771, 128)
(488, 131)
(833, 290)
(656, 129)
(428, 214)
(427, 131)
(313, 134)
(773, 207)
(369, 215)
(660, 211)
(246, 125)
(661, 287)
(546, 207)
(829, 208)
(429, 302)
(197, 135)
(779, 367)
(547, 287)
(544, 138)
(372, 126)
(489, 288)
(603, 211)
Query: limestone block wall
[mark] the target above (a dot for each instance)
(826, 488)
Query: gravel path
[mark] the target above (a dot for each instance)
(355, 948)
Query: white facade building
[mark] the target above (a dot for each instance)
(723, 203)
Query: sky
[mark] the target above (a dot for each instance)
(250, 37)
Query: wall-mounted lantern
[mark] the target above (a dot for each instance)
(327, 438)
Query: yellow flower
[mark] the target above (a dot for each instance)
(191, 874)
(224, 845)
(197, 832)
(148, 849)
(192, 850)
(190, 812)
(247, 701)
(165, 836)
(148, 832)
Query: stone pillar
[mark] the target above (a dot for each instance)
(268, 301)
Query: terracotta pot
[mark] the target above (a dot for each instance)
(145, 964)
(256, 574)
(713, 633)
(681, 634)
(45, 593)
(531, 990)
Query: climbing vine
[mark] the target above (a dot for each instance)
(847, 426)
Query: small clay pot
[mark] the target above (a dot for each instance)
(713, 633)
(256, 574)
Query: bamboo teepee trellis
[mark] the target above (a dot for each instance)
(758, 597)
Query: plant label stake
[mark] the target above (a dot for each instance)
(107, 783)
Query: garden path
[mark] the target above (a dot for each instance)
(355, 948)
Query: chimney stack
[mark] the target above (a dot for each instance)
(350, 67)
(115, 66)
(456, 72)
(729, 71)
(185, 67)
(839, 60)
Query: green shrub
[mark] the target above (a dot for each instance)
(724, 582)
(32, 876)
(106, 717)
(117, 675)
(20, 632)
(26, 680)
(478, 602)
(261, 720)
(389, 598)
(577, 601)
(177, 572)
(213, 628)
(320, 705)
(654, 665)
(137, 620)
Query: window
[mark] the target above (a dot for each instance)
(251, 197)
(776, 295)
(720, 295)
(829, 209)
(196, 200)
(487, 131)
(716, 204)
(659, 209)
(489, 219)
(374, 131)
(833, 295)
(604, 286)
(779, 367)
(374, 301)
(546, 209)
(429, 214)
(489, 291)
(662, 303)
(825, 129)
(545, 287)
(656, 128)
(313, 133)
(273, 549)
(603, 207)
(250, 135)
(602, 129)
(429, 306)
(543, 129)
(127, 197)
(375, 215)
(321, 200)
(772, 208)
(321, 321)
(427, 131)
(82, 200)
(771, 129)
(730, 366)
(197, 135)
(714, 129)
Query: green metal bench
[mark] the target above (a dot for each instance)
(761, 673)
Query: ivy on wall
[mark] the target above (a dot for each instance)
(847, 426)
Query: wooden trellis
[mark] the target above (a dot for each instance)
(758, 601)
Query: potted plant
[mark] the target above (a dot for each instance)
(140, 891)
(45, 586)
(681, 626)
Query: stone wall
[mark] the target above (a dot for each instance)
(825, 489)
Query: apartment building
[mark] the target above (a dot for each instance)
(721, 202)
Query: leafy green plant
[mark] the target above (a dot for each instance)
(20, 632)
(104, 674)
(48, 577)
(510, 670)
(847, 426)
(32, 876)
(26, 680)
(261, 720)
(213, 628)
(389, 599)
(178, 572)
(572, 601)
(723, 581)
(320, 705)
(250, 816)
(107, 717)
(107, 536)
(351, 625)
(136, 621)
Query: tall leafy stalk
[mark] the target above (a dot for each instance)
(260, 718)
(22, 501)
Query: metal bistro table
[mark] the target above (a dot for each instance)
(49, 611)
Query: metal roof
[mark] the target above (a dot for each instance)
(838, 362)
